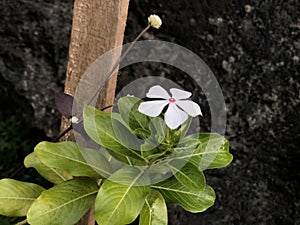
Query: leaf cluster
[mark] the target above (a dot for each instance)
(140, 167)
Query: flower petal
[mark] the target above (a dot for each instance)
(157, 92)
(190, 107)
(174, 116)
(152, 108)
(180, 94)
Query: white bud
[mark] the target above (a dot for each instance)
(154, 21)
(74, 119)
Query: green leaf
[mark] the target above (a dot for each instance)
(121, 197)
(111, 134)
(177, 134)
(53, 175)
(185, 127)
(63, 204)
(205, 151)
(154, 211)
(192, 201)
(158, 130)
(67, 156)
(16, 197)
(119, 118)
(159, 171)
(189, 175)
(138, 122)
(125, 105)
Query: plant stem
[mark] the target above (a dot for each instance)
(22, 222)
(118, 63)
(63, 133)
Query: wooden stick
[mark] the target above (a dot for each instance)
(98, 26)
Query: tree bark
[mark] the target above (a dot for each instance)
(98, 26)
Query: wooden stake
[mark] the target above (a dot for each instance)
(98, 26)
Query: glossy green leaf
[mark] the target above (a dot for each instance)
(121, 197)
(125, 105)
(53, 175)
(159, 171)
(188, 175)
(67, 156)
(177, 134)
(158, 131)
(154, 211)
(16, 197)
(149, 149)
(138, 122)
(111, 134)
(119, 118)
(192, 201)
(63, 204)
(205, 150)
(185, 127)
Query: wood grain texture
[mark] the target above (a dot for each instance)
(98, 26)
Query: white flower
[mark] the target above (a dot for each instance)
(178, 107)
(154, 21)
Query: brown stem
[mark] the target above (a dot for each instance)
(88, 218)
(17, 171)
(63, 133)
(22, 222)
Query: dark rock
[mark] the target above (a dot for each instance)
(34, 49)
(253, 49)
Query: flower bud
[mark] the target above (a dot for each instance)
(74, 119)
(154, 21)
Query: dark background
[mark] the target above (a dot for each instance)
(251, 46)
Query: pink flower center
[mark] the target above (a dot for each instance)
(172, 100)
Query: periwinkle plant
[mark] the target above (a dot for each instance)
(145, 161)
(126, 179)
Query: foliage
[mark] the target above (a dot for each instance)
(141, 166)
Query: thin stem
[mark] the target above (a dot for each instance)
(17, 171)
(168, 135)
(133, 43)
(63, 133)
(22, 222)
(118, 62)
(71, 127)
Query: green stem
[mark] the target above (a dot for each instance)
(168, 136)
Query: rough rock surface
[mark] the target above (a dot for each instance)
(252, 47)
(34, 50)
